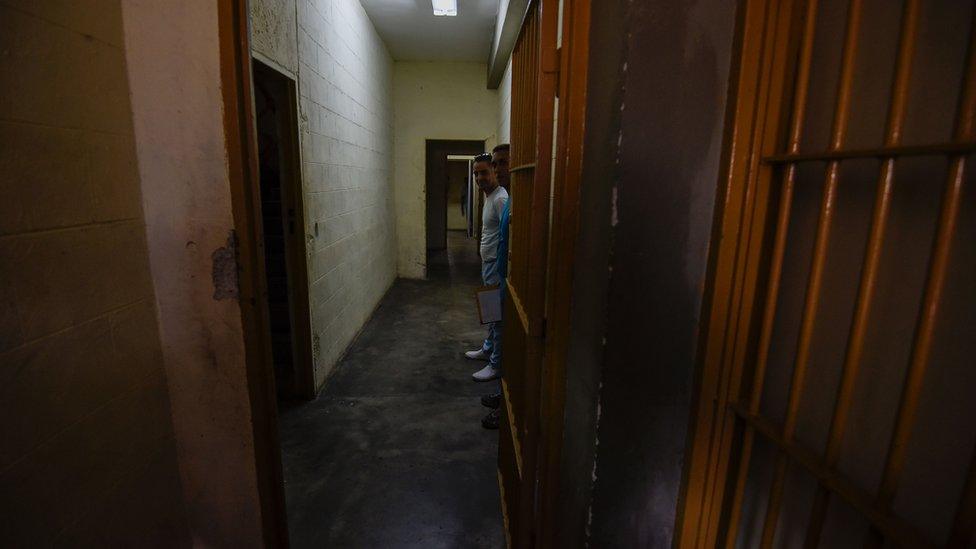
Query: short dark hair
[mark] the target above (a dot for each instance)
(483, 157)
(503, 147)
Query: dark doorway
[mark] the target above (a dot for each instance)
(438, 179)
(282, 218)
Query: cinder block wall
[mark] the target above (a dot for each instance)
(87, 453)
(434, 100)
(345, 80)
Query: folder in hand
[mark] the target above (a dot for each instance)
(489, 304)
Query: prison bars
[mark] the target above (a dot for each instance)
(884, 524)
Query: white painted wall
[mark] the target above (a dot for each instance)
(499, 24)
(345, 80)
(432, 101)
(503, 132)
(274, 32)
(179, 135)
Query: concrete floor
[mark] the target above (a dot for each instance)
(392, 453)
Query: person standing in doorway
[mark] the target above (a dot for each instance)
(499, 167)
(495, 199)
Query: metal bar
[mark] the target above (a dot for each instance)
(519, 144)
(503, 498)
(880, 517)
(769, 315)
(818, 262)
(527, 284)
(507, 397)
(570, 134)
(938, 265)
(530, 166)
(766, 50)
(885, 152)
(800, 94)
(523, 317)
(872, 256)
(964, 525)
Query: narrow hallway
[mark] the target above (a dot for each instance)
(392, 452)
(736, 241)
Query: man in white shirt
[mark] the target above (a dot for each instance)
(495, 199)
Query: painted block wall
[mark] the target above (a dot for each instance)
(87, 430)
(433, 100)
(274, 32)
(503, 132)
(186, 192)
(345, 81)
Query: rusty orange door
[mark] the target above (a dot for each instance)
(533, 99)
(548, 107)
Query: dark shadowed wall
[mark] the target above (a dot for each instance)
(658, 86)
(88, 456)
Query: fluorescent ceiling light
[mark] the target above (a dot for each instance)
(445, 7)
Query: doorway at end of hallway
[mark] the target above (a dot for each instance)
(449, 188)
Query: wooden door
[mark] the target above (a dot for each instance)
(835, 404)
(546, 141)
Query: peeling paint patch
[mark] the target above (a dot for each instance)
(596, 451)
(224, 271)
(613, 207)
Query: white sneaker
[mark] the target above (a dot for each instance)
(480, 354)
(487, 373)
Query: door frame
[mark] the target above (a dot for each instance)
(242, 168)
(297, 255)
(472, 189)
(440, 149)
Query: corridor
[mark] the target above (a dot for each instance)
(392, 453)
(739, 300)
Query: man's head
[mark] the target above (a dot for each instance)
(499, 164)
(482, 173)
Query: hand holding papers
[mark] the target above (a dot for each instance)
(489, 304)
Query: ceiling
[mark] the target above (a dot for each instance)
(413, 33)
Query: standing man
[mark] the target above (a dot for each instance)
(499, 167)
(495, 199)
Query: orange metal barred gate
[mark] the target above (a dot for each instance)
(546, 164)
(842, 297)
(533, 95)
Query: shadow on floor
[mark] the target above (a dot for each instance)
(392, 453)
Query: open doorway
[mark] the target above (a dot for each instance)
(282, 218)
(460, 173)
(451, 205)
(458, 193)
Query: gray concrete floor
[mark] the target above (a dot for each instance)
(392, 453)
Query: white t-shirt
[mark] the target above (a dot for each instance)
(491, 215)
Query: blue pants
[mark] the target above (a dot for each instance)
(493, 343)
